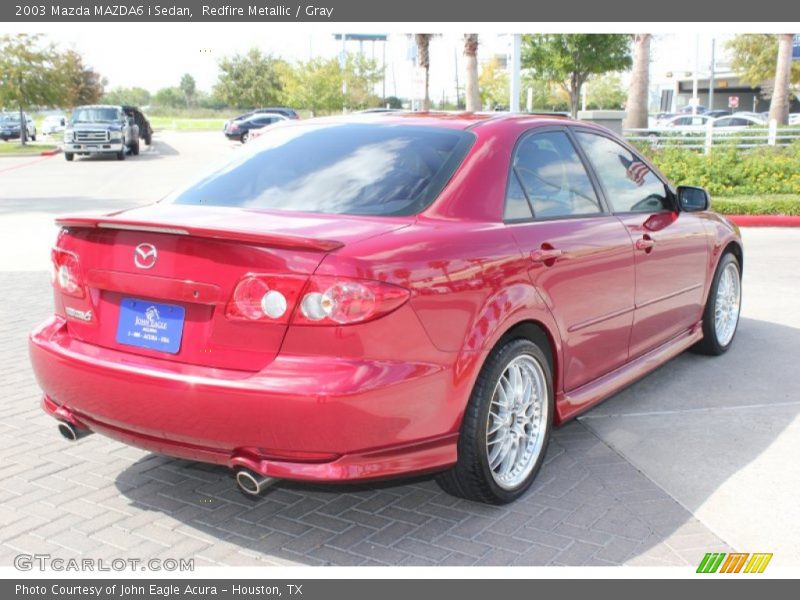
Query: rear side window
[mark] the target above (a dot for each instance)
(353, 169)
(629, 183)
(548, 173)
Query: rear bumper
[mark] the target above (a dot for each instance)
(308, 418)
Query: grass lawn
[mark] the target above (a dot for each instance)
(14, 148)
(186, 124)
(759, 204)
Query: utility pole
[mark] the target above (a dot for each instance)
(516, 48)
(712, 74)
(695, 75)
(342, 65)
(383, 89)
(458, 97)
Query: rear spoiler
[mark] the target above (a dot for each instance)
(259, 238)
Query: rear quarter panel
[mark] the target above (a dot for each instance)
(469, 286)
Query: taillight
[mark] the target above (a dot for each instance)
(66, 273)
(266, 298)
(324, 300)
(337, 301)
(233, 127)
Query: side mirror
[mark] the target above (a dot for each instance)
(693, 199)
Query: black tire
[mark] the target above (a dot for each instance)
(135, 148)
(710, 343)
(471, 477)
(69, 156)
(121, 154)
(245, 137)
(33, 137)
(148, 139)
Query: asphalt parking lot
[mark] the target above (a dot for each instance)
(699, 456)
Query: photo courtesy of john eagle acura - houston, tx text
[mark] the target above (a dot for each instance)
(376, 295)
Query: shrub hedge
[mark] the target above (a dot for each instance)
(786, 204)
(728, 171)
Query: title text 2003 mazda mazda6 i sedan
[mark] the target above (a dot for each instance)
(367, 297)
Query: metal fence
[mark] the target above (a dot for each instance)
(709, 137)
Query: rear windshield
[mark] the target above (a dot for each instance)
(353, 169)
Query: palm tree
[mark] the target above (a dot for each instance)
(473, 93)
(636, 105)
(424, 60)
(779, 105)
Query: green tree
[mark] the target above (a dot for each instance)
(250, 80)
(546, 95)
(393, 102)
(569, 59)
(636, 102)
(423, 41)
(316, 84)
(781, 99)
(170, 97)
(121, 95)
(362, 75)
(753, 57)
(189, 88)
(605, 92)
(80, 83)
(205, 100)
(28, 74)
(471, 85)
(493, 84)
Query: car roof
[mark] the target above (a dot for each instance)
(684, 116)
(450, 120)
(261, 115)
(99, 106)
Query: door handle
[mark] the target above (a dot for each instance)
(546, 255)
(645, 243)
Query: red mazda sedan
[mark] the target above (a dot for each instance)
(380, 295)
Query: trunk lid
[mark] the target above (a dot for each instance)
(201, 253)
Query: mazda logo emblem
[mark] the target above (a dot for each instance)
(145, 256)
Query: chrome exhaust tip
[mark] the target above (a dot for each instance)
(251, 483)
(70, 432)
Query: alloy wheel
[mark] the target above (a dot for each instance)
(515, 428)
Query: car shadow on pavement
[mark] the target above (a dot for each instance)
(588, 506)
(159, 149)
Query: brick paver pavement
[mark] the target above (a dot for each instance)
(98, 498)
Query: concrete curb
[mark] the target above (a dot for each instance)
(765, 220)
(52, 152)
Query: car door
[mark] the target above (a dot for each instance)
(671, 247)
(580, 256)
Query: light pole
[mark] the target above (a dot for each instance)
(516, 48)
(712, 74)
(695, 99)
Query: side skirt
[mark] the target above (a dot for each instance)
(570, 404)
